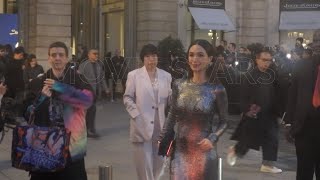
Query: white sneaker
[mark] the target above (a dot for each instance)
(231, 157)
(270, 169)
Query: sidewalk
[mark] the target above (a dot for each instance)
(114, 148)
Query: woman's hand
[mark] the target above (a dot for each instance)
(254, 110)
(205, 145)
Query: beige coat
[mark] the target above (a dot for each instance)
(140, 102)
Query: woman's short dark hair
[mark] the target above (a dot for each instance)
(147, 50)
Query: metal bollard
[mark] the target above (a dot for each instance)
(105, 172)
(220, 169)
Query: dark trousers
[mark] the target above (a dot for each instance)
(75, 170)
(91, 117)
(269, 143)
(118, 94)
(308, 156)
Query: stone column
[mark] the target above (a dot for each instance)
(130, 34)
(1, 6)
(155, 21)
(48, 21)
(272, 21)
(232, 10)
(184, 23)
(253, 22)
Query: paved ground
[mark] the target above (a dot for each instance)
(114, 148)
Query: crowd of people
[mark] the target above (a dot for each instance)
(184, 116)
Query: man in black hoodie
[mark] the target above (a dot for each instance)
(14, 77)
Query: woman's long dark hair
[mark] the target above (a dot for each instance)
(212, 70)
(29, 60)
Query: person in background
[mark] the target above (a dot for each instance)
(32, 69)
(3, 89)
(3, 61)
(68, 95)
(119, 72)
(298, 47)
(109, 77)
(231, 57)
(303, 114)
(14, 79)
(195, 101)
(260, 110)
(82, 53)
(146, 98)
(224, 44)
(307, 54)
(93, 70)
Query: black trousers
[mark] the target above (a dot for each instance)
(74, 171)
(269, 143)
(91, 117)
(308, 156)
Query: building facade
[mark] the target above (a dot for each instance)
(129, 24)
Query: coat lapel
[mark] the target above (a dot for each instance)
(161, 83)
(146, 81)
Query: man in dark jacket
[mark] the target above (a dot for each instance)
(303, 114)
(93, 70)
(258, 103)
(119, 73)
(15, 74)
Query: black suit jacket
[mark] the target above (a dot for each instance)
(301, 93)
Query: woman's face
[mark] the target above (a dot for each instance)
(33, 62)
(198, 58)
(150, 61)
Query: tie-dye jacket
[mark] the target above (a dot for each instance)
(75, 94)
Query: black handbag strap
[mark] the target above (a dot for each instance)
(36, 103)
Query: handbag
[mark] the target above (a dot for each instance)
(167, 145)
(248, 132)
(40, 149)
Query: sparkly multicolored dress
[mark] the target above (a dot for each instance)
(192, 118)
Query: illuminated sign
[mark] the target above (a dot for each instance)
(214, 4)
(9, 29)
(299, 5)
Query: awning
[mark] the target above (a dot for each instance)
(215, 19)
(291, 20)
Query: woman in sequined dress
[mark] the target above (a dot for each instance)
(195, 101)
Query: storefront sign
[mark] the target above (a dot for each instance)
(210, 14)
(215, 19)
(9, 29)
(299, 5)
(299, 20)
(214, 4)
(299, 14)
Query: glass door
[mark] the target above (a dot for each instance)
(114, 32)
